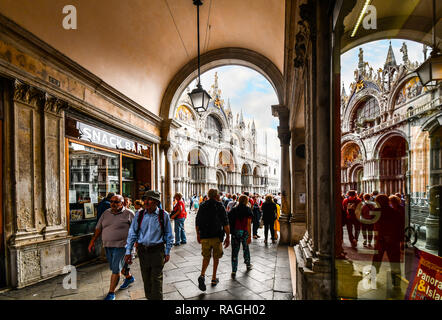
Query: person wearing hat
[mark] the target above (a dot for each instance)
(152, 229)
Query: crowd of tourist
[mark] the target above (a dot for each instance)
(145, 229)
(381, 218)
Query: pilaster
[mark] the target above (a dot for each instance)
(284, 136)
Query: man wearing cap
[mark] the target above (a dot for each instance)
(152, 229)
(114, 225)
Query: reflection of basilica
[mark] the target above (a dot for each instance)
(217, 150)
(384, 114)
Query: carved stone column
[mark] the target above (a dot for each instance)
(54, 166)
(35, 209)
(284, 136)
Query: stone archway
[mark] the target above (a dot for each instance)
(393, 165)
(246, 177)
(217, 58)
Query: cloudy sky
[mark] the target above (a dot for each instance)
(250, 92)
(375, 53)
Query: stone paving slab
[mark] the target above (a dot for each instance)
(270, 278)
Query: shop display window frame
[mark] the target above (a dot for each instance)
(120, 153)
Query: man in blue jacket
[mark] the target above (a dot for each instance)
(151, 229)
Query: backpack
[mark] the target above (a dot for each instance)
(217, 227)
(160, 220)
(232, 218)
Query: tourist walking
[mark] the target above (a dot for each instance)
(277, 226)
(389, 234)
(269, 212)
(240, 219)
(232, 203)
(152, 229)
(114, 226)
(256, 211)
(101, 207)
(365, 211)
(179, 215)
(211, 224)
(352, 222)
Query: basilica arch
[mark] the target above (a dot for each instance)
(351, 157)
(246, 177)
(391, 152)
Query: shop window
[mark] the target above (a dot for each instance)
(85, 189)
(135, 174)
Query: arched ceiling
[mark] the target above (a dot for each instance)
(138, 46)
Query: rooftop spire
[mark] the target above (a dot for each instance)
(241, 120)
(343, 92)
(391, 60)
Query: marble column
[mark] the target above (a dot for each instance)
(284, 136)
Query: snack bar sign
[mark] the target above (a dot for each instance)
(104, 138)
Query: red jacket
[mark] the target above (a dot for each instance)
(183, 213)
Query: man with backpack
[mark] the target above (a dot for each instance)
(152, 229)
(211, 224)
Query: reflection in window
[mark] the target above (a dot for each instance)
(89, 184)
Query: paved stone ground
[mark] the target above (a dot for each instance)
(269, 279)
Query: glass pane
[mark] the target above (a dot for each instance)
(391, 169)
(93, 174)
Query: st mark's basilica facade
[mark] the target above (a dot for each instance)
(217, 149)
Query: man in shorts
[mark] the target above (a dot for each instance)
(113, 226)
(211, 223)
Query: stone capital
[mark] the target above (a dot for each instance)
(280, 111)
(284, 135)
(27, 94)
(54, 105)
